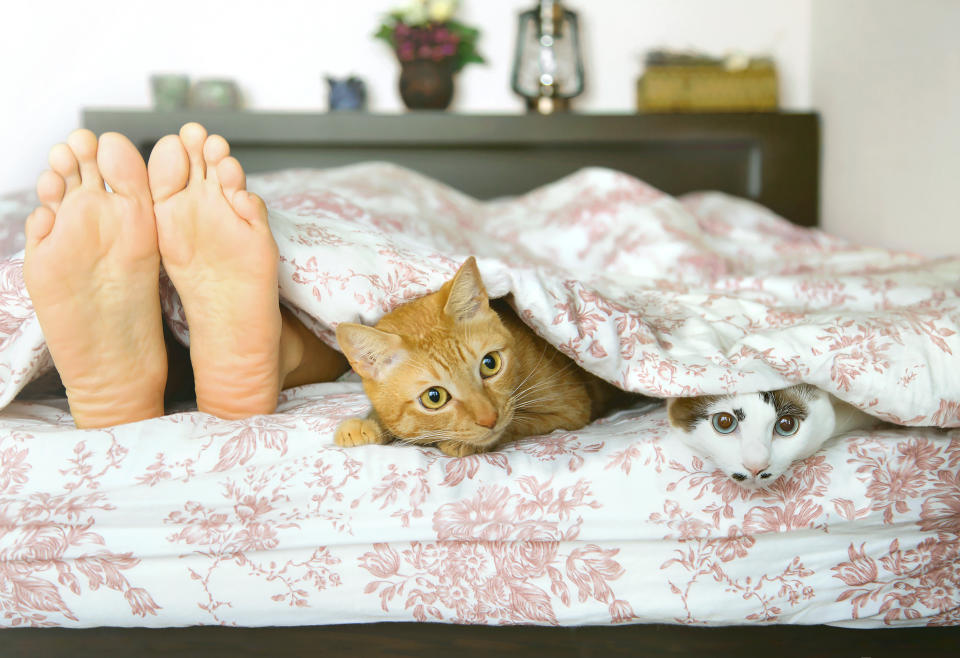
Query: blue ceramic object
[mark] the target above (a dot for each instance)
(347, 94)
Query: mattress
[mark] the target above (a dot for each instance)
(188, 519)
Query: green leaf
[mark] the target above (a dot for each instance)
(463, 30)
(385, 33)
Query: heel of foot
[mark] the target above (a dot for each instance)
(242, 396)
(118, 405)
(238, 408)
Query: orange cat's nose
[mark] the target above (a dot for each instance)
(488, 419)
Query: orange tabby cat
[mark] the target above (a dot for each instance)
(453, 370)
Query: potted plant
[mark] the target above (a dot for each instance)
(431, 47)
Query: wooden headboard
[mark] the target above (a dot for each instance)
(771, 158)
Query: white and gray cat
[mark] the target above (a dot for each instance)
(754, 437)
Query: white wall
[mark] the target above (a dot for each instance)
(885, 74)
(886, 79)
(56, 58)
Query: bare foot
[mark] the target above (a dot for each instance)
(92, 269)
(217, 249)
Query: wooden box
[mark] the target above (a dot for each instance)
(708, 88)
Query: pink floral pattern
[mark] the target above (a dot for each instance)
(498, 559)
(188, 519)
(619, 276)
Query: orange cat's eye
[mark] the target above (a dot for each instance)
(434, 397)
(490, 364)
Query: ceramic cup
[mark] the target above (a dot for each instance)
(170, 91)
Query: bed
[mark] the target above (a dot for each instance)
(187, 520)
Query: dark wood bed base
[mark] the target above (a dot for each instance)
(449, 641)
(772, 158)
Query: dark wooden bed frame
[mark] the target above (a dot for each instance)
(771, 158)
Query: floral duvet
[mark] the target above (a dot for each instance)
(188, 519)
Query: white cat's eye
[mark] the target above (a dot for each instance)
(786, 425)
(490, 364)
(434, 397)
(724, 422)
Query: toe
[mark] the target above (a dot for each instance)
(122, 166)
(215, 149)
(50, 189)
(249, 206)
(231, 176)
(39, 224)
(83, 143)
(168, 169)
(193, 136)
(64, 162)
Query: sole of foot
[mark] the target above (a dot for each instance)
(217, 249)
(91, 268)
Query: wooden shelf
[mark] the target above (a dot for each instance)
(772, 158)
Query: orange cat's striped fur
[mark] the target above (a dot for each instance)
(454, 370)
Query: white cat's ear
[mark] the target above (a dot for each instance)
(372, 353)
(467, 297)
(685, 413)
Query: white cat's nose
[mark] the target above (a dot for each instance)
(756, 472)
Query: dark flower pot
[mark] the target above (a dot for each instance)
(426, 84)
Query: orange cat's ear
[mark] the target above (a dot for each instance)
(467, 296)
(372, 353)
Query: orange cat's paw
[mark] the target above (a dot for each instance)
(359, 432)
(457, 448)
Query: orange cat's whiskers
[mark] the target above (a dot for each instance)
(547, 382)
(428, 437)
(535, 401)
(533, 370)
(532, 420)
(420, 363)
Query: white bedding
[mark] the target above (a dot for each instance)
(187, 519)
